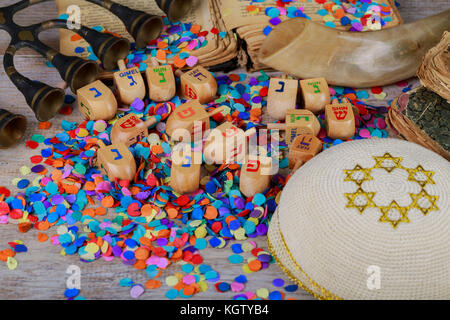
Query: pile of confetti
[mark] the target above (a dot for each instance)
(354, 15)
(153, 227)
(175, 45)
(15, 246)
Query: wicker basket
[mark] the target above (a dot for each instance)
(368, 219)
(434, 74)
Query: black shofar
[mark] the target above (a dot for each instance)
(431, 113)
(44, 100)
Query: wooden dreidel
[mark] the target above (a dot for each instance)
(226, 144)
(187, 119)
(130, 129)
(198, 84)
(315, 94)
(116, 160)
(340, 120)
(281, 97)
(302, 149)
(255, 175)
(161, 82)
(298, 121)
(96, 101)
(185, 171)
(129, 83)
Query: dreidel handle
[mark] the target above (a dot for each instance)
(335, 101)
(121, 64)
(179, 73)
(216, 111)
(151, 121)
(101, 144)
(154, 62)
(354, 108)
(276, 126)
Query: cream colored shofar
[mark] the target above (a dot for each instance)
(352, 59)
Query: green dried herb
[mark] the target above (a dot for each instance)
(431, 113)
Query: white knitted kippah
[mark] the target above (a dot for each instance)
(367, 219)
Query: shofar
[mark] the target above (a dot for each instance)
(310, 50)
(434, 73)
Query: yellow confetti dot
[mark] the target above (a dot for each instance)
(83, 133)
(153, 138)
(92, 248)
(200, 232)
(36, 181)
(62, 230)
(104, 247)
(247, 247)
(171, 281)
(203, 286)
(25, 170)
(328, 18)
(11, 263)
(100, 126)
(239, 234)
(262, 293)
(246, 268)
(380, 96)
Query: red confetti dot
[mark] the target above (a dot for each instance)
(216, 227)
(197, 259)
(263, 92)
(4, 208)
(187, 256)
(32, 144)
(66, 110)
(151, 180)
(376, 90)
(133, 209)
(234, 77)
(160, 252)
(218, 117)
(5, 191)
(36, 159)
(16, 214)
(256, 251)
(182, 200)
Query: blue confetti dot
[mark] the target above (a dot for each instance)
(187, 268)
(23, 183)
(241, 279)
(275, 295)
(291, 288)
(71, 293)
(237, 248)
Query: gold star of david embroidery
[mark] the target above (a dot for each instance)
(387, 162)
(427, 174)
(424, 195)
(358, 170)
(368, 196)
(380, 162)
(385, 214)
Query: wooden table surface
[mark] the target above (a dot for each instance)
(41, 273)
